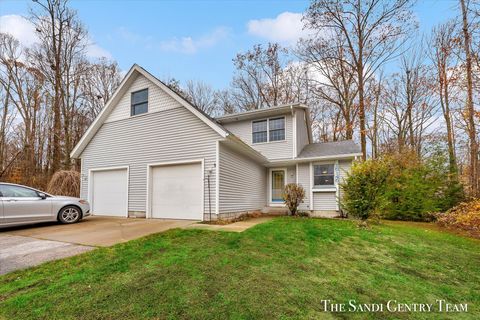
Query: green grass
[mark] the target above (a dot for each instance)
(280, 269)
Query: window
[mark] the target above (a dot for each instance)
(139, 102)
(277, 129)
(259, 131)
(323, 175)
(17, 192)
(268, 130)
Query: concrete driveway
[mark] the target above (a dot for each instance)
(99, 231)
(26, 246)
(18, 252)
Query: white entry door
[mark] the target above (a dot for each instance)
(177, 191)
(109, 192)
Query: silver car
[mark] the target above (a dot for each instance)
(23, 205)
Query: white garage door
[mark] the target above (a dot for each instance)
(109, 192)
(176, 191)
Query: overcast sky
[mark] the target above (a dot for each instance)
(189, 39)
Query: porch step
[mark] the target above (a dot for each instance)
(275, 211)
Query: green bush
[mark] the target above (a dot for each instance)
(363, 188)
(401, 187)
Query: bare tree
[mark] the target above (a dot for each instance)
(63, 42)
(202, 96)
(469, 107)
(101, 80)
(375, 90)
(23, 85)
(265, 77)
(442, 54)
(332, 78)
(374, 31)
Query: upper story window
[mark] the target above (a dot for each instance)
(139, 102)
(268, 130)
(277, 129)
(259, 131)
(323, 175)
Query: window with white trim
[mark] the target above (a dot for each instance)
(276, 128)
(323, 175)
(259, 131)
(268, 130)
(139, 102)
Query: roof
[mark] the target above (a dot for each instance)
(121, 90)
(251, 114)
(326, 149)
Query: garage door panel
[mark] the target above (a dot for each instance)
(177, 191)
(109, 192)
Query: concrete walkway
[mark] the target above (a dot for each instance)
(99, 231)
(234, 227)
(18, 252)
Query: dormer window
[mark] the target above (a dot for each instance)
(268, 130)
(139, 102)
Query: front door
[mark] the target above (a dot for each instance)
(278, 185)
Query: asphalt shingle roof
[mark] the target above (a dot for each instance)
(313, 150)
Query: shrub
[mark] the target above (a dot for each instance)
(363, 186)
(401, 187)
(465, 216)
(293, 195)
(65, 183)
(415, 188)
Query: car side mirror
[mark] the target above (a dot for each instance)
(42, 195)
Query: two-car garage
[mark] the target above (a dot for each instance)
(174, 190)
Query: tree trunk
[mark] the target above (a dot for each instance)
(469, 105)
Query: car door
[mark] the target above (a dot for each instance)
(21, 204)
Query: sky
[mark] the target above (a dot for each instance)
(191, 39)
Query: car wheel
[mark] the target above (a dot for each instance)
(69, 214)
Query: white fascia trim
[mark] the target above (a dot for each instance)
(148, 208)
(89, 185)
(100, 119)
(259, 112)
(254, 153)
(182, 101)
(336, 156)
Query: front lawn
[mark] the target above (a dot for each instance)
(279, 269)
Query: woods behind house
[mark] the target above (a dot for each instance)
(364, 69)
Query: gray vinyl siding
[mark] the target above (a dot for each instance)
(345, 167)
(242, 182)
(324, 201)
(304, 179)
(272, 150)
(302, 133)
(291, 174)
(158, 100)
(173, 134)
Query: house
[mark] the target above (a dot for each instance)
(150, 153)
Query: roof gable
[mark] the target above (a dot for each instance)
(123, 88)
